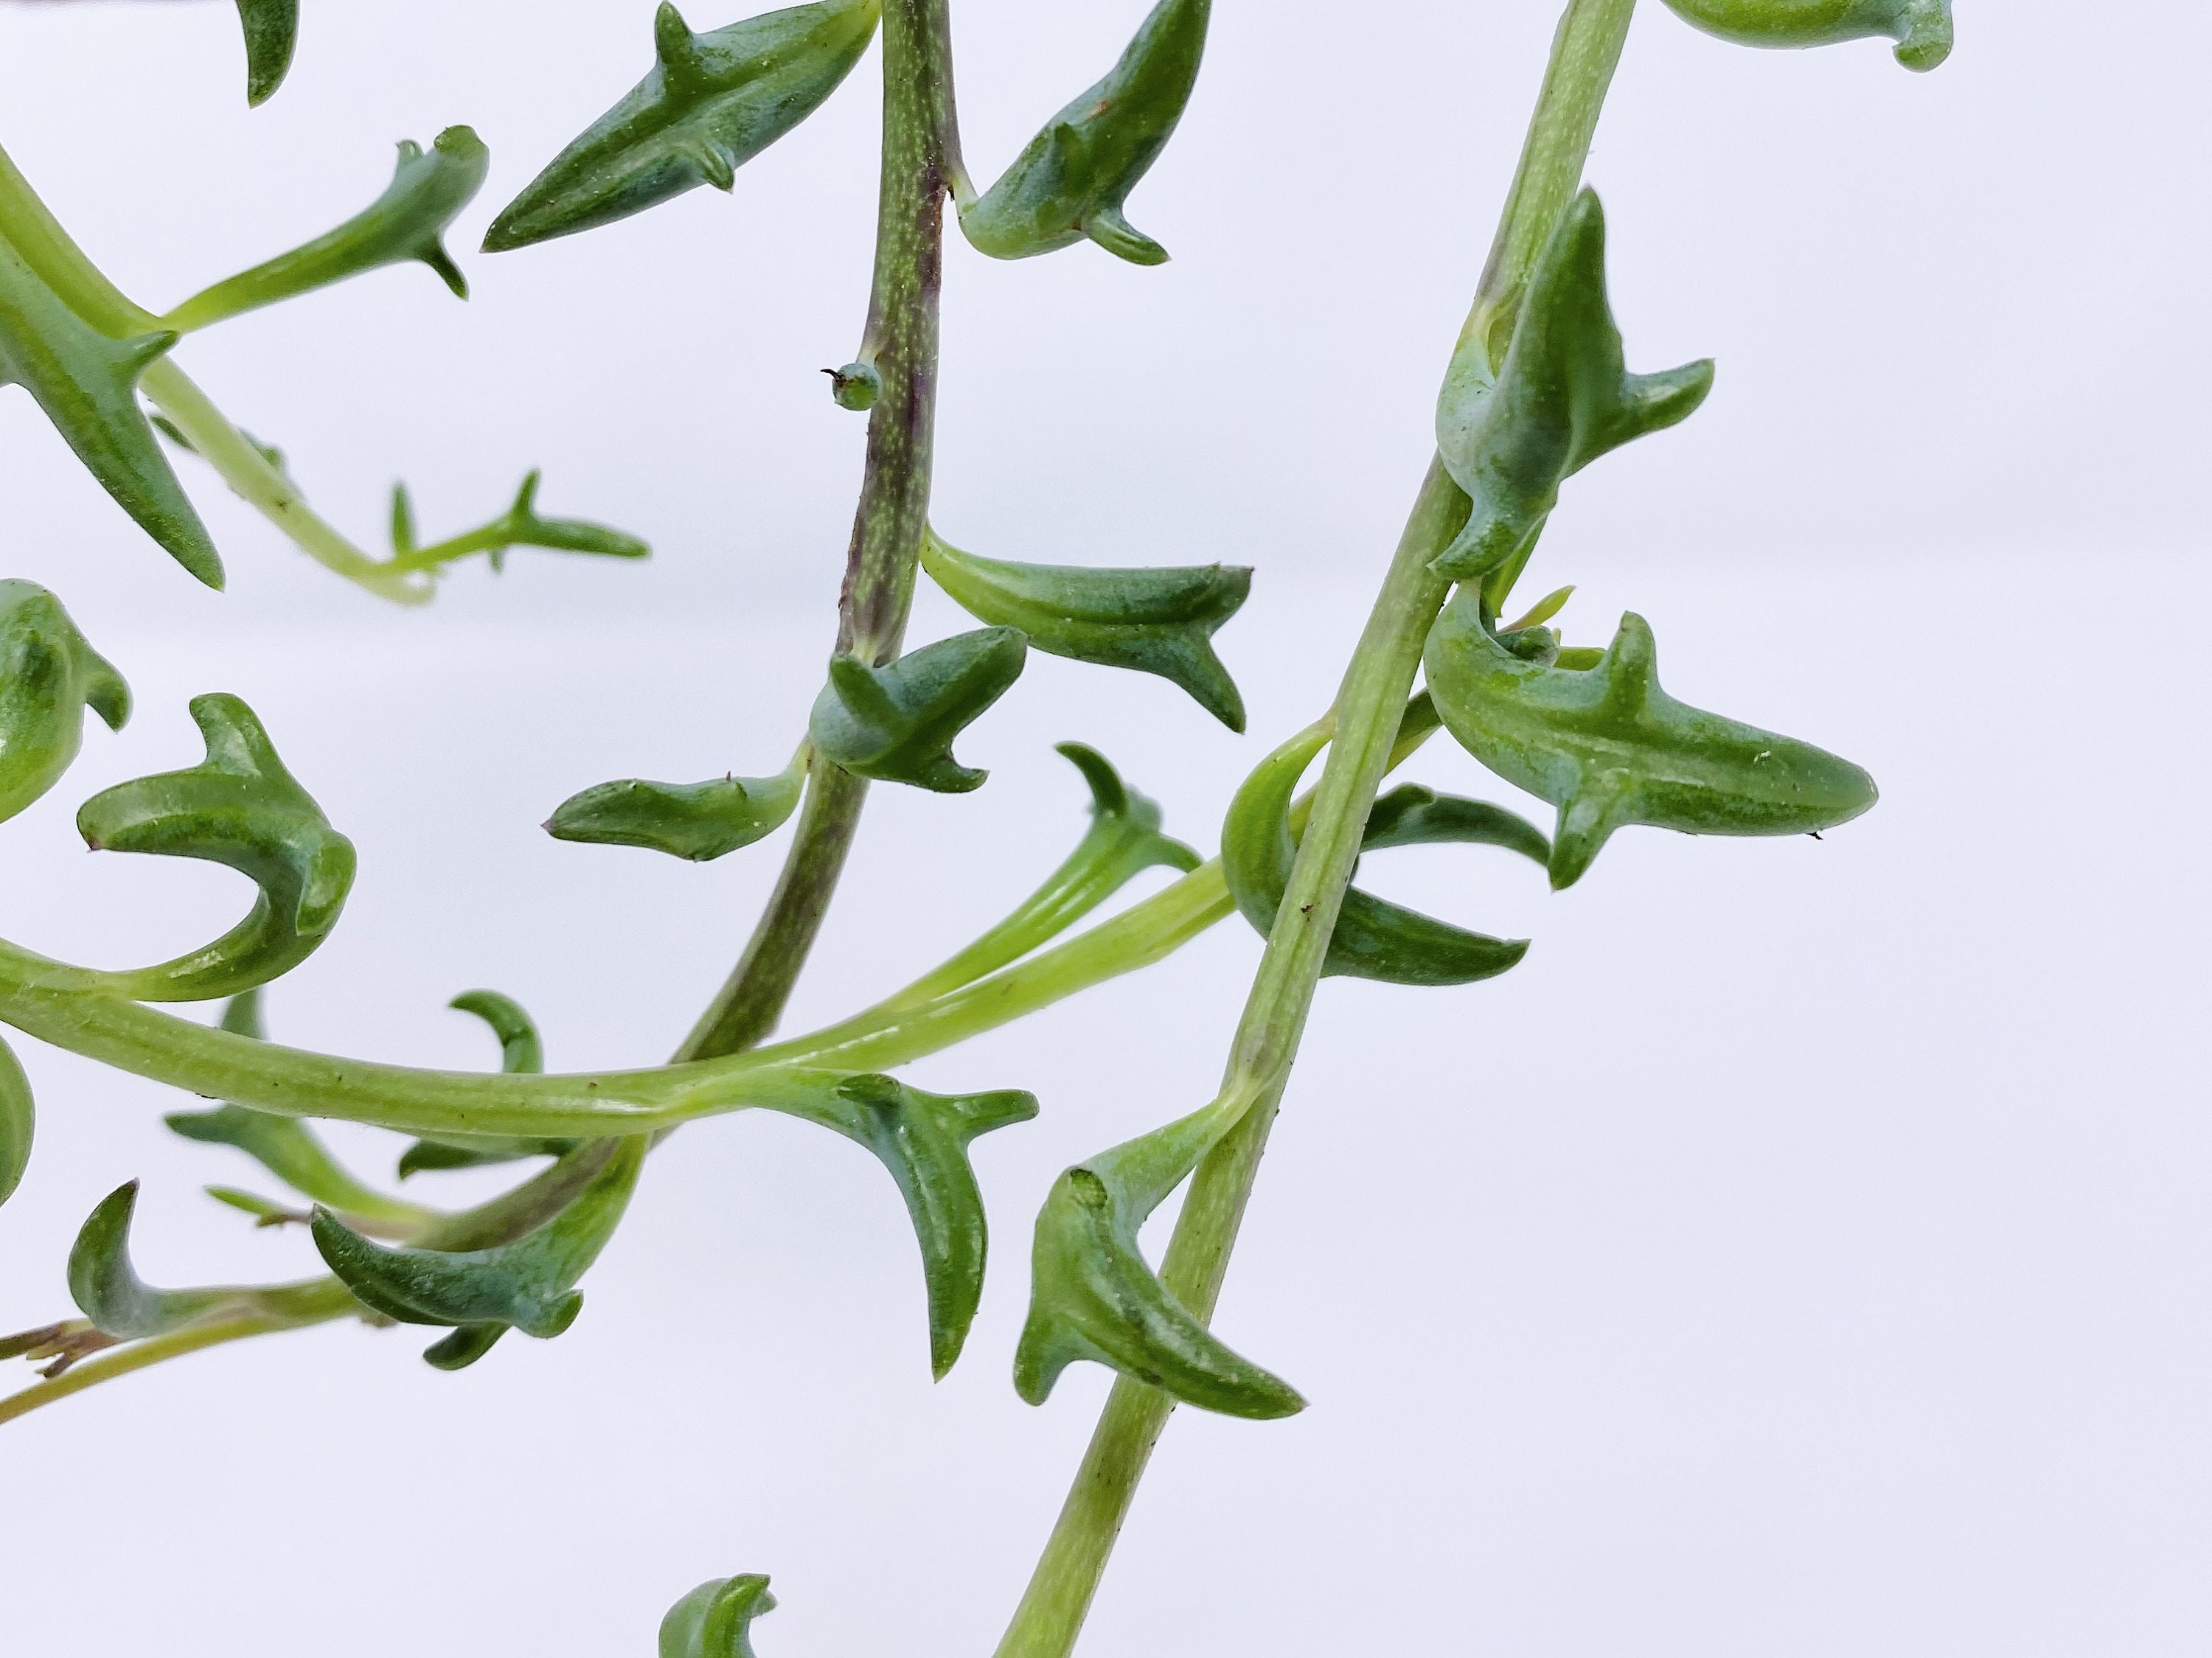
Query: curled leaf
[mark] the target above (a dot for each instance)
(715, 1619)
(48, 676)
(1921, 28)
(428, 188)
(108, 1291)
(1561, 399)
(1124, 841)
(528, 1285)
(521, 1052)
(1608, 747)
(1093, 1296)
(238, 807)
(272, 30)
(1155, 621)
(88, 385)
(698, 821)
(712, 102)
(922, 1140)
(519, 525)
(1074, 176)
(1374, 938)
(897, 723)
(18, 1122)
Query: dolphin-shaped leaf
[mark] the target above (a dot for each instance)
(1921, 28)
(922, 1140)
(1561, 399)
(238, 807)
(87, 383)
(897, 723)
(715, 1619)
(712, 102)
(519, 525)
(520, 1051)
(1093, 1296)
(272, 30)
(698, 821)
(528, 1285)
(1608, 747)
(1072, 180)
(428, 189)
(48, 676)
(1374, 938)
(108, 1291)
(1156, 621)
(18, 1122)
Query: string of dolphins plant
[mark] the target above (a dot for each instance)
(1536, 390)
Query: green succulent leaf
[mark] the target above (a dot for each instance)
(528, 1285)
(1561, 399)
(18, 1122)
(87, 384)
(715, 1619)
(712, 102)
(241, 808)
(521, 1052)
(922, 1140)
(1921, 28)
(427, 189)
(1374, 938)
(1155, 621)
(1608, 747)
(1073, 178)
(287, 1148)
(897, 723)
(108, 1291)
(272, 30)
(49, 675)
(1092, 1296)
(519, 525)
(1124, 839)
(698, 821)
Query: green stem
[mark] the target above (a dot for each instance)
(33, 232)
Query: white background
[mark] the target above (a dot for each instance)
(1805, 1252)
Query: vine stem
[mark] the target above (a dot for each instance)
(1046, 1624)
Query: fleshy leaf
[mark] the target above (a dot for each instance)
(897, 723)
(1562, 399)
(238, 807)
(1374, 938)
(287, 1147)
(519, 525)
(715, 1619)
(698, 821)
(1093, 1296)
(922, 1140)
(88, 385)
(427, 189)
(1921, 28)
(272, 30)
(1608, 747)
(107, 1289)
(18, 1122)
(520, 1051)
(1155, 621)
(1124, 839)
(528, 1285)
(1074, 176)
(48, 676)
(712, 102)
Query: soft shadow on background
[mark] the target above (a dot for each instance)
(1804, 1251)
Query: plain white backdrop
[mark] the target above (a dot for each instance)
(1805, 1252)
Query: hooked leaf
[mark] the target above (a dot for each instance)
(519, 525)
(1373, 939)
(1155, 621)
(698, 821)
(528, 1285)
(897, 723)
(272, 30)
(1074, 176)
(1608, 747)
(427, 189)
(87, 383)
(107, 1289)
(1562, 399)
(1921, 28)
(715, 1619)
(238, 807)
(48, 676)
(521, 1052)
(712, 102)
(18, 1122)
(1093, 1296)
